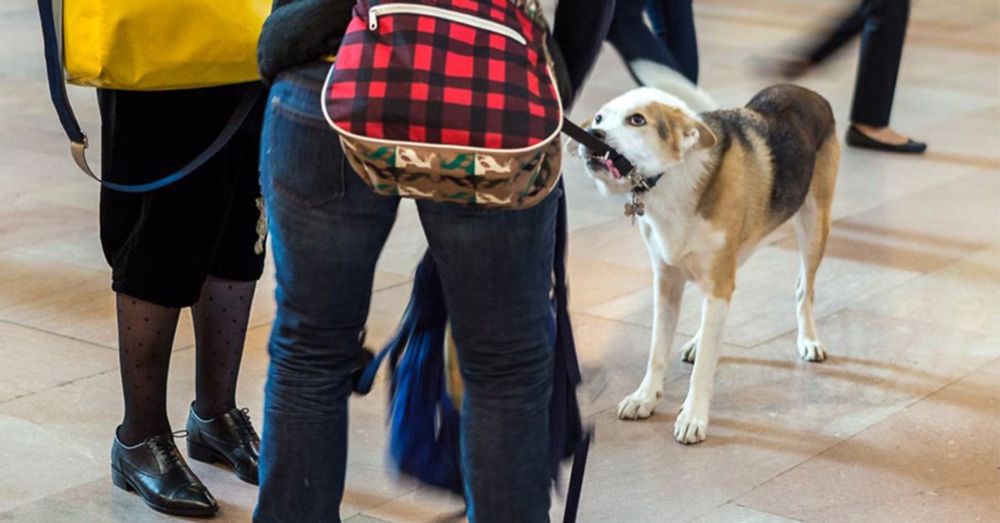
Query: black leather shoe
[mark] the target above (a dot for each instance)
(155, 470)
(229, 438)
(856, 138)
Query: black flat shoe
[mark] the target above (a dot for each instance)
(229, 438)
(155, 470)
(856, 138)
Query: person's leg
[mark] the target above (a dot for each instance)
(220, 324)
(673, 23)
(648, 59)
(326, 232)
(849, 26)
(145, 339)
(496, 273)
(159, 246)
(634, 41)
(156, 243)
(878, 69)
(223, 309)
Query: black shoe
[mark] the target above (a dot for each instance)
(229, 438)
(856, 138)
(155, 470)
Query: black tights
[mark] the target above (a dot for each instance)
(145, 338)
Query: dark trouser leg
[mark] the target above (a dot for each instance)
(496, 274)
(673, 23)
(632, 38)
(326, 231)
(878, 66)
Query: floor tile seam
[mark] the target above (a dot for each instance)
(923, 323)
(57, 334)
(29, 503)
(914, 276)
(880, 500)
(627, 323)
(366, 511)
(855, 434)
(60, 385)
(728, 503)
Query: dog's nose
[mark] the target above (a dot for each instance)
(597, 133)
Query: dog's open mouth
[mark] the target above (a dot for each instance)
(596, 162)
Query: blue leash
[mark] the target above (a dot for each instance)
(78, 139)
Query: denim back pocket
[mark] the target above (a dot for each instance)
(302, 158)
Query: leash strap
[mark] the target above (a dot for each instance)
(576, 477)
(599, 148)
(78, 142)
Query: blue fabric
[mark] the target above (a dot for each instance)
(327, 230)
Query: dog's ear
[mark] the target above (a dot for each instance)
(698, 134)
(571, 146)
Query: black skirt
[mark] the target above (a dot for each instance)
(162, 245)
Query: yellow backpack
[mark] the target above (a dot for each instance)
(150, 45)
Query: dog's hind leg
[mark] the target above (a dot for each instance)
(690, 349)
(666, 310)
(812, 228)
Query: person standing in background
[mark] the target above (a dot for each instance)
(882, 26)
(191, 244)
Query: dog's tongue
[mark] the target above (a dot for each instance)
(611, 168)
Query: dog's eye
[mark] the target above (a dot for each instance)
(598, 118)
(637, 120)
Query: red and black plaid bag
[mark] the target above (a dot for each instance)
(449, 100)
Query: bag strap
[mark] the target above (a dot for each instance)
(576, 477)
(78, 142)
(598, 147)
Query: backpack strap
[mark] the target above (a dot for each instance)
(78, 142)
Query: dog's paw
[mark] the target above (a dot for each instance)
(812, 350)
(689, 350)
(691, 425)
(638, 405)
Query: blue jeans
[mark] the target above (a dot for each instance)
(327, 230)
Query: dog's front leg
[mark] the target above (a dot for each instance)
(666, 309)
(692, 420)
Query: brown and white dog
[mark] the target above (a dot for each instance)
(726, 179)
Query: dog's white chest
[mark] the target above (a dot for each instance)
(680, 238)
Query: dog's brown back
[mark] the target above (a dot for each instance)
(793, 124)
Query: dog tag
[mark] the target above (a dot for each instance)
(634, 208)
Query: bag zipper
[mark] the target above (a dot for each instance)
(437, 12)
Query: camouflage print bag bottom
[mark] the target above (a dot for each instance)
(448, 100)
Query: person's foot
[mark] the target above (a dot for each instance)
(882, 139)
(786, 68)
(155, 470)
(229, 438)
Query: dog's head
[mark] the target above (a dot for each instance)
(651, 129)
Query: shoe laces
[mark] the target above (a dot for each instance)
(245, 427)
(165, 449)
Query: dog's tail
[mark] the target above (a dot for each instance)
(654, 74)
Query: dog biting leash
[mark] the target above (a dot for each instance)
(640, 184)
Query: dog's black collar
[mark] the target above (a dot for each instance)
(643, 184)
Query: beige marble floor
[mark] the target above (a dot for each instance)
(901, 424)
